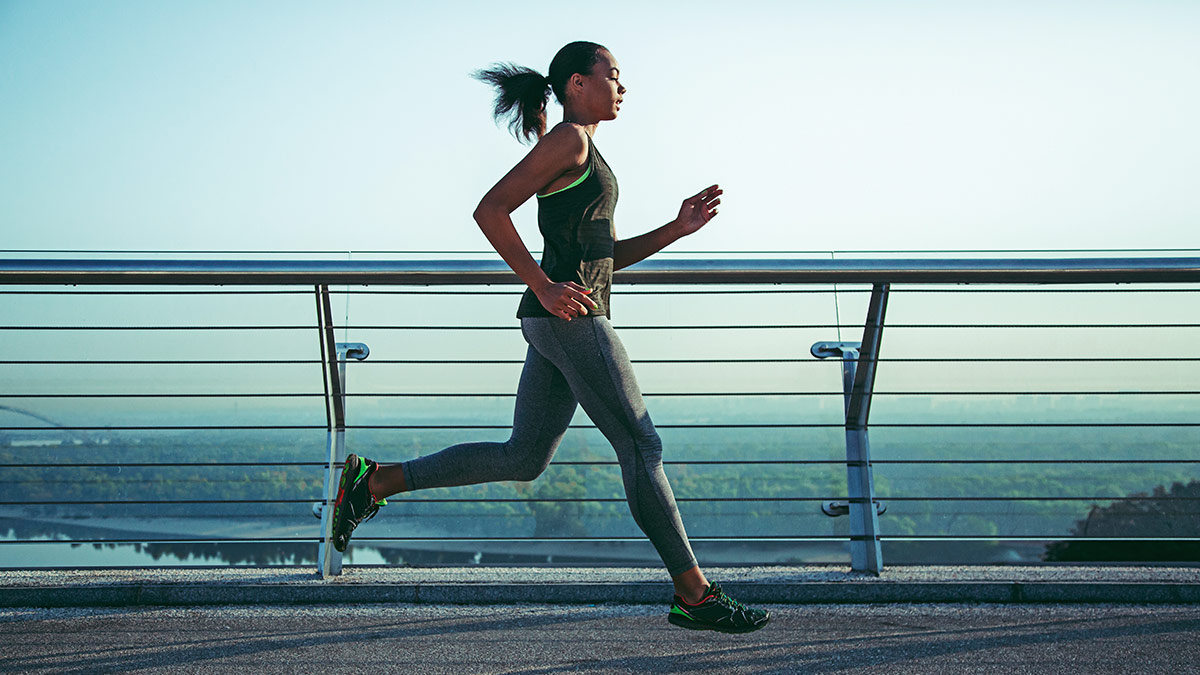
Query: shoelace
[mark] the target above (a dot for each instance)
(726, 600)
(371, 511)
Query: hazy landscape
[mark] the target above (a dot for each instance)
(1031, 500)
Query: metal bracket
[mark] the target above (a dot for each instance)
(836, 508)
(824, 350)
(859, 360)
(352, 350)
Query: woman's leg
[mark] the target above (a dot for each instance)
(590, 355)
(544, 408)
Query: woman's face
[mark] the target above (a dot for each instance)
(601, 92)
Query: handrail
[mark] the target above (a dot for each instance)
(729, 271)
(878, 274)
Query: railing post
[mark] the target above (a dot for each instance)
(333, 356)
(858, 382)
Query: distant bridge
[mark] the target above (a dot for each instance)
(42, 418)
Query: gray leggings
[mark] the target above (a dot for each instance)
(568, 362)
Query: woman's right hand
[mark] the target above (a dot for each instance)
(565, 299)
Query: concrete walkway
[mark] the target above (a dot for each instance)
(910, 638)
(594, 585)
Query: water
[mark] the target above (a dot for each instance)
(61, 553)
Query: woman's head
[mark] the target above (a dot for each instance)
(575, 58)
(579, 75)
(594, 96)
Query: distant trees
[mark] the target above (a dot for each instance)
(1167, 514)
(561, 518)
(729, 498)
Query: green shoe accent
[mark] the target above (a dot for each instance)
(675, 609)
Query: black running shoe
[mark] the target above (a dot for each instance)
(354, 502)
(717, 611)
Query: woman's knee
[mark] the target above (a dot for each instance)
(650, 446)
(529, 469)
(527, 461)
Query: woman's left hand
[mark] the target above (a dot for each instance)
(698, 209)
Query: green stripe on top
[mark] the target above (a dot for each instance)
(577, 182)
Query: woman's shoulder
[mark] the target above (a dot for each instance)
(566, 138)
(569, 129)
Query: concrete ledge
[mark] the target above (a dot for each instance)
(593, 585)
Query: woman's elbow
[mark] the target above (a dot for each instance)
(485, 212)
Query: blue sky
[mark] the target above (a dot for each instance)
(832, 125)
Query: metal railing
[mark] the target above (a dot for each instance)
(860, 361)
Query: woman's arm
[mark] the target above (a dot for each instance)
(694, 213)
(561, 150)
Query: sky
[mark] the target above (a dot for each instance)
(858, 125)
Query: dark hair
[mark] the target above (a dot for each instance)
(522, 93)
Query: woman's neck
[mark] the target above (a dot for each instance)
(581, 120)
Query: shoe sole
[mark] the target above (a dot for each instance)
(338, 511)
(684, 622)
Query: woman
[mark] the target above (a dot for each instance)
(574, 355)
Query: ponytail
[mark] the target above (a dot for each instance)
(522, 93)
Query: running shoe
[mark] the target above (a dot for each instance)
(354, 503)
(717, 611)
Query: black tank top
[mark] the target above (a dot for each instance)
(577, 225)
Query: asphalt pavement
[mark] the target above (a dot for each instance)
(462, 639)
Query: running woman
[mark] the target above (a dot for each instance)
(574, 356)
